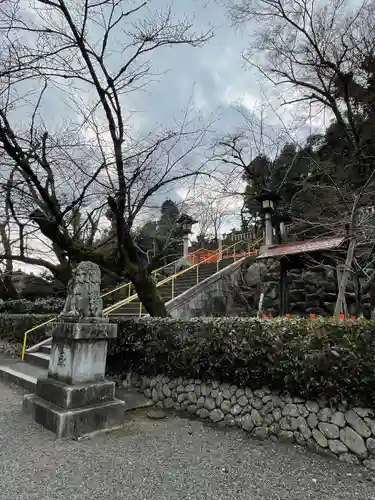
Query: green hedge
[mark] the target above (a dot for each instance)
(312, 358)
(14, 326)
(45, 305)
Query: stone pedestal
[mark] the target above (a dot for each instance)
(74, 399)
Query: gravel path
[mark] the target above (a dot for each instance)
(173, 458)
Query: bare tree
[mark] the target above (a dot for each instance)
(212, 213)
(93, 54)
(322, 56)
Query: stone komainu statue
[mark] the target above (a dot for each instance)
(83, 294)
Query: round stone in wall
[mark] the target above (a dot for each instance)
(256, 403)
(216, 415)
(155, 395)
(192, 398)
(370, 464)
(371, 425)
(325, 414)
(338, 418)
(259, 393)
(290, 410)
(320, 438)
(200, 402)
(226, 406)
(267, 408)
(312, 420)
(210, 404)
(192, 408)
(256, 418)
(331, 431)
(268, 419)
(276, 414)
(312, 406)
(236, 410)
(247, 423)
(354, 442)
(229, 420)
(286, 435)
(203, 413)
(370, 443)
(303, 411)
(248, 392)
(205, 390)
(242, 400)
(233, 389)
(226, 393)
(356, 422)
(168, 403)
(299, 438)
(337, 447)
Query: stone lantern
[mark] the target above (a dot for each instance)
(269, 200)
(187, 224)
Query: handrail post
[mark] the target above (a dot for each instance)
(197, 275)
(173, 283)
(24, 346)
(234, 253)
(130, 290)
(140, 309)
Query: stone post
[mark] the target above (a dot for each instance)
(186, 247)
(268, 229)
(75, 399)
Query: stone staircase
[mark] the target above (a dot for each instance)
(182, 283)
(25, 373)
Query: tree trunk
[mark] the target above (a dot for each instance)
(339, 307)
(132, 263)
(148, 293)
(8, 289)
(143, 282)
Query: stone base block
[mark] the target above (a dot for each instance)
(68, 397)
(78, 422)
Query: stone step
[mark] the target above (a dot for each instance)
(46, 349)
(22, 374)
(40, 359)
(25, 375)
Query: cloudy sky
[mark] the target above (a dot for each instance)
(215, 75)
(213, 78)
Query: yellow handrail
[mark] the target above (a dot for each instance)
(32, 330)
(129, 284)
(134, 296)
(171, 278)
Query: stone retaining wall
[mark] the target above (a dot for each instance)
(311, 290)
(344, 432)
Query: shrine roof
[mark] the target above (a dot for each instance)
(298, 247)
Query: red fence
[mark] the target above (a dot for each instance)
(213, 256)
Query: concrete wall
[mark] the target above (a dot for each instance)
(218, 295)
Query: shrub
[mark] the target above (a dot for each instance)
(45, 305)
(308, 358)
(13, 327)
